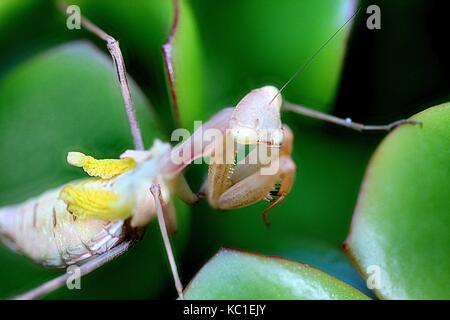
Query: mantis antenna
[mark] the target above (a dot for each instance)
(314, 55)
(85, 268)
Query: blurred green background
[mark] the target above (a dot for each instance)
(58, 92)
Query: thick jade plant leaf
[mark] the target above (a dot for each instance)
(67, 99)
(238, 275)
(400, 229)
(324, 256)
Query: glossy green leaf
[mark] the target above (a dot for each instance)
(400, 228)
(238, 275)
(324, 256)
(68, 99)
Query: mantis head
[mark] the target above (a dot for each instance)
(256, 118)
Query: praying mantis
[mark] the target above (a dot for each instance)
(89, 222)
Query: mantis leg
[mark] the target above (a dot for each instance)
(220, 170)
(348, 123)
(183, 190)
(248, 191)
(286, 178)
(251, 184)
(116, 54)
(85, 268)
(257, 186)
(161, 211)
(195, 146)
(203, 191)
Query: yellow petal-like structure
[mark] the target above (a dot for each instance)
(105, 168)
(85, 202)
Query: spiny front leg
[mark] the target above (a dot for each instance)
(258, 186)
(248, 191)
(255, 121)
(220, 171)
(286, 174)
(251, 183)
(285, 183)
(219, 180)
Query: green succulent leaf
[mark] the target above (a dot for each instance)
(400, 230)
(63, 100)
(238, 275)
(324, 256)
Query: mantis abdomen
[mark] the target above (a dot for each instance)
(44, 230)
(85, 218)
